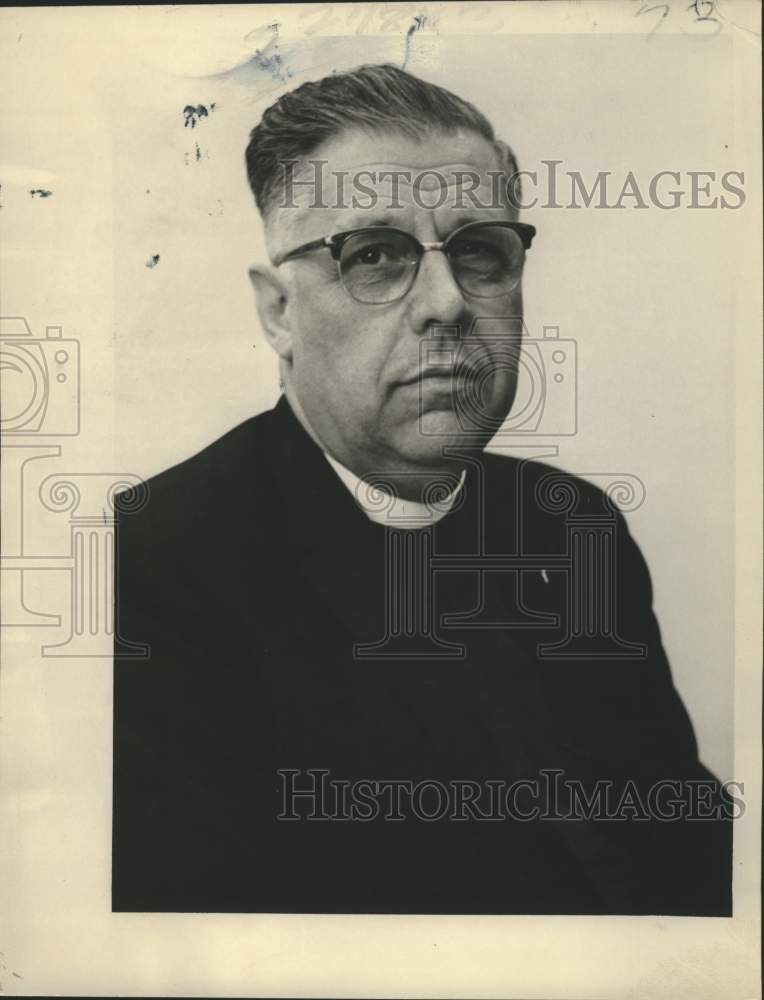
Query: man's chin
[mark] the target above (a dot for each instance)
(438, 429)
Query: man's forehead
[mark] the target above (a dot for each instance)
(355, 148)
(347, 183)
(385, 175)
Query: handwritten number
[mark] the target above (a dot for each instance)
(664, 7)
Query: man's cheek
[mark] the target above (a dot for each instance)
(331, 300)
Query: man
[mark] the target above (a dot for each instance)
(351, 610)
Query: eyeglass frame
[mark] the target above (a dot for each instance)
(335, 241)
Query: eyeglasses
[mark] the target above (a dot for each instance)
(379, 264)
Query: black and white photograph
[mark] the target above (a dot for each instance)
(381, 450)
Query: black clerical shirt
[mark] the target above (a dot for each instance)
(287, 639)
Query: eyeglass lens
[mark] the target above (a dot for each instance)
(378, 267)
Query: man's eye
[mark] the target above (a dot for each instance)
(378, 253)
(474, 248)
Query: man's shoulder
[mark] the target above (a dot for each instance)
(226, 480)
(546, 488)
(220, 460)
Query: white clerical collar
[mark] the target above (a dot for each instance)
(382, 507)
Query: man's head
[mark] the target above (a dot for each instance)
(353, 323)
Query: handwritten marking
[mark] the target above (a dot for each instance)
(645, 9)
(194, 114)
(418, 24)
(704, 10)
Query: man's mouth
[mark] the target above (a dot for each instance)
(442, 376)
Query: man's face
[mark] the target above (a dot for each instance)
(356, 369)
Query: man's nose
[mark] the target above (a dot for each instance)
(435, 296)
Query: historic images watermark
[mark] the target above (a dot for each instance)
(313, 795)
(40, 406)
(312, 184)
(584, 622)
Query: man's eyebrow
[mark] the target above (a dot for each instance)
(361, 221)
(465, 220)
(387, 221)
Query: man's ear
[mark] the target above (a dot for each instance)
(271, 296)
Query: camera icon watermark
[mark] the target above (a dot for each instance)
(546, 403)
(40, 381)
(498, 358)
(41, 402)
